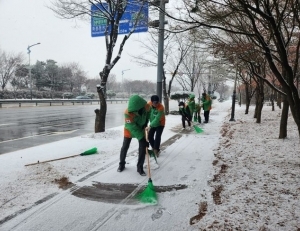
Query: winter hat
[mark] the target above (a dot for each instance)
(154, 98)
(191, 96)
(135, 103)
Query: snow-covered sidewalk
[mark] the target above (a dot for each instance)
(234, 175)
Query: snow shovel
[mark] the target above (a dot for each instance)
(149, 194)
(88, 152)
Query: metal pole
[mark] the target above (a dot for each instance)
(160, 61)
(233, 97)
(30, 76)
(30, 79)
(123, 80)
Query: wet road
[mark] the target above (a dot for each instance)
(31, 126)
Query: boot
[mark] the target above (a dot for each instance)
(140, 170)
(121, 168)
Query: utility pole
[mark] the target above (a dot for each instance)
(160, 57)
(29, 51)
(123, 80)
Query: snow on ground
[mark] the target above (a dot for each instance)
(251, 178)
(256, 175)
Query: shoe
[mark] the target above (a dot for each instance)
(205, 122)
(182, 129)
(121, 168)
(141, 172)
(156, 152)
(188, 128)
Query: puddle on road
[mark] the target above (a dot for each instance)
(115, 193)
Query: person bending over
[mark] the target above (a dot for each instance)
(135, 120)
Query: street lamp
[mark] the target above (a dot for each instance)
(28, 51)
(123, 80)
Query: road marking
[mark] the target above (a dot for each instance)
(6, 124)
(60, 133)
(57, 125)
(45, 134)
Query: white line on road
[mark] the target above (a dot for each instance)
(6, 124)
(45, 134)
(57, 125)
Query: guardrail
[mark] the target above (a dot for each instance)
(57, 101)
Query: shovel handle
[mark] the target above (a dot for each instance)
(147, 153)
(146, 135)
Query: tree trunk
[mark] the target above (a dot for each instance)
(278, 102)
(272, 100)
(247, 100)
(97, 120)
(260, 104)
(165, 95)
(284, 119)
(101, 114)
(256, 104)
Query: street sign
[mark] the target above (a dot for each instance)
(99, 21)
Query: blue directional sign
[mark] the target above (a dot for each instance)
(129, 18)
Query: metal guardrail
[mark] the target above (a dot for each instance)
(57, 101)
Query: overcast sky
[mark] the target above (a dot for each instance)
(24, 23)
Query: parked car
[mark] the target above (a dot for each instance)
(82, 97)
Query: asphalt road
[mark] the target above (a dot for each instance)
(26, 127)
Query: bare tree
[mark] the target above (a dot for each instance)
(8, 65)
(270, 26)
(110, 13)
(176, 47)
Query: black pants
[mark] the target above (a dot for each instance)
(206, 115)
(197, 115)
(183, 119)
(155, 142)
(142, 151)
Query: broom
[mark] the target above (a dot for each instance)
(196, 128)
(151, 153)
(88, 152)
(149, 194)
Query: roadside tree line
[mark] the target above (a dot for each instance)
(260, 39)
